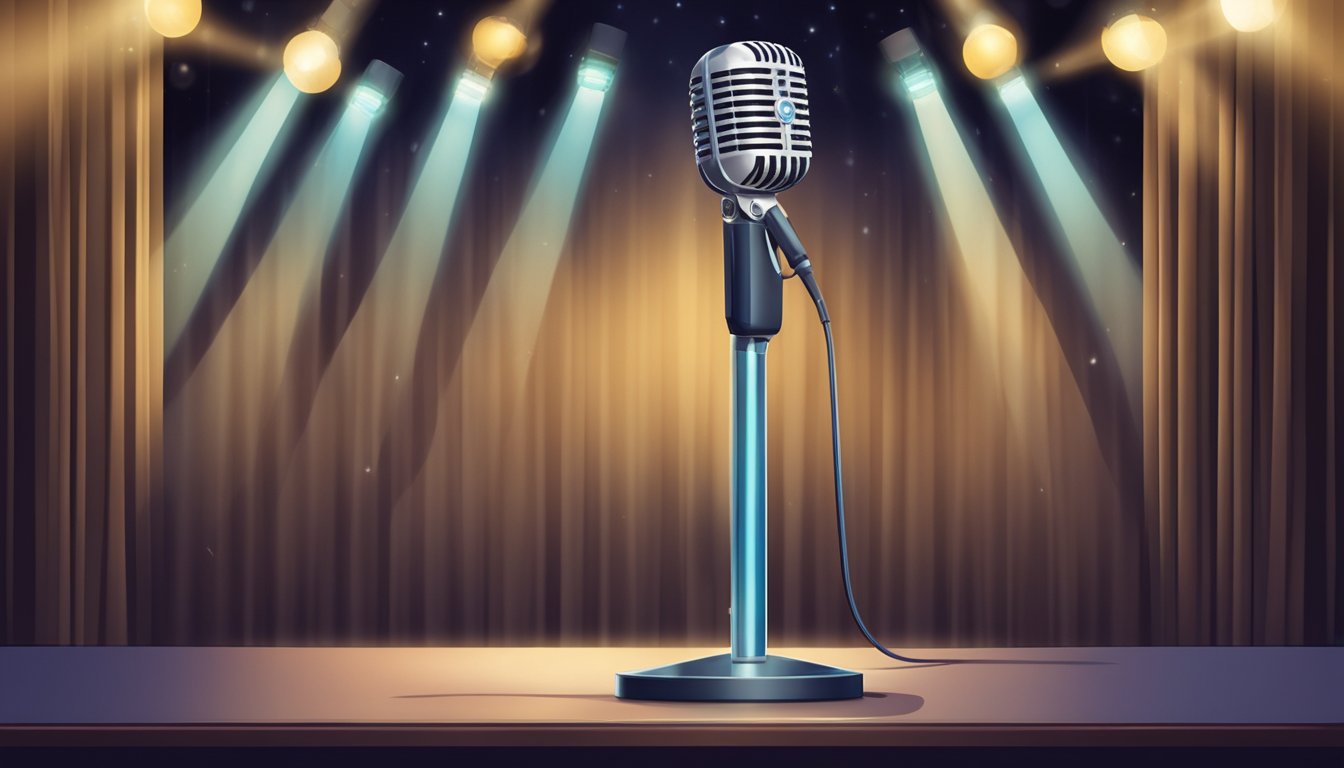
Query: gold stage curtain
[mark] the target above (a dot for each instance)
(80, 147)
(1242, 198)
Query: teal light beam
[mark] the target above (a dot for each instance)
(368, 377)
(327, 464)
(196, 242)
(1002, 299)
(222, 424)
(514, 301)
(490, 372)
(260, 326)
(1111, 279)
(383, 333)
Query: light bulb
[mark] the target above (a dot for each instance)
(312, 61)
(989, 51)
(173, 18)
(1251, 15)
(1134, 42)
(495, 40)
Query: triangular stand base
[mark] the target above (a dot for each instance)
(717, 678)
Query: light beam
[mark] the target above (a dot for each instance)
(1002, 299)
(194, 246)
(1108, 275)
(219, 424)
(326, 463)
(503, 333)
(382, 335)
(515, 298)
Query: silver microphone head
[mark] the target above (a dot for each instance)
(750, 118)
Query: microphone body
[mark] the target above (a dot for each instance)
(751, 131)
(752, 136)
(753, 287)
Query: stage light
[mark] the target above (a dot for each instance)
(473, 86)
(496, 40)
(375, 88)
(173, 18)
(989, 51)
(1109, 277)
(596, 75)
(367, 100)
(1134, 42)
(1252, 15)
(195, 243)
(312, 61)
(914, 72)
(598, 67)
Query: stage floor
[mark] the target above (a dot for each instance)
(563, 697)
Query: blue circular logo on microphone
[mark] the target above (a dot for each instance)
(786, 111)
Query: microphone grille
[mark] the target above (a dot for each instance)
(750, 118)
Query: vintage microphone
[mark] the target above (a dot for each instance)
(751, 127)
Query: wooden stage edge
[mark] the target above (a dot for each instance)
(563, 697)
(735, 735)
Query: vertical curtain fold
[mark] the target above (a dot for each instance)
(1240, 288)
(81, 178)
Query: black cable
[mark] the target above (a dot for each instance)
(815, 292)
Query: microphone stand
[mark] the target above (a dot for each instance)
(754, 308)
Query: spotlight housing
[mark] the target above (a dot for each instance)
(376, 87)
(902, 49)
(598, 67)
(173, 18)
(1252, 15)
(1134, 42)
(473, 85)
(495, 40)
(312, 61)
(989, 51)
(596, 75)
